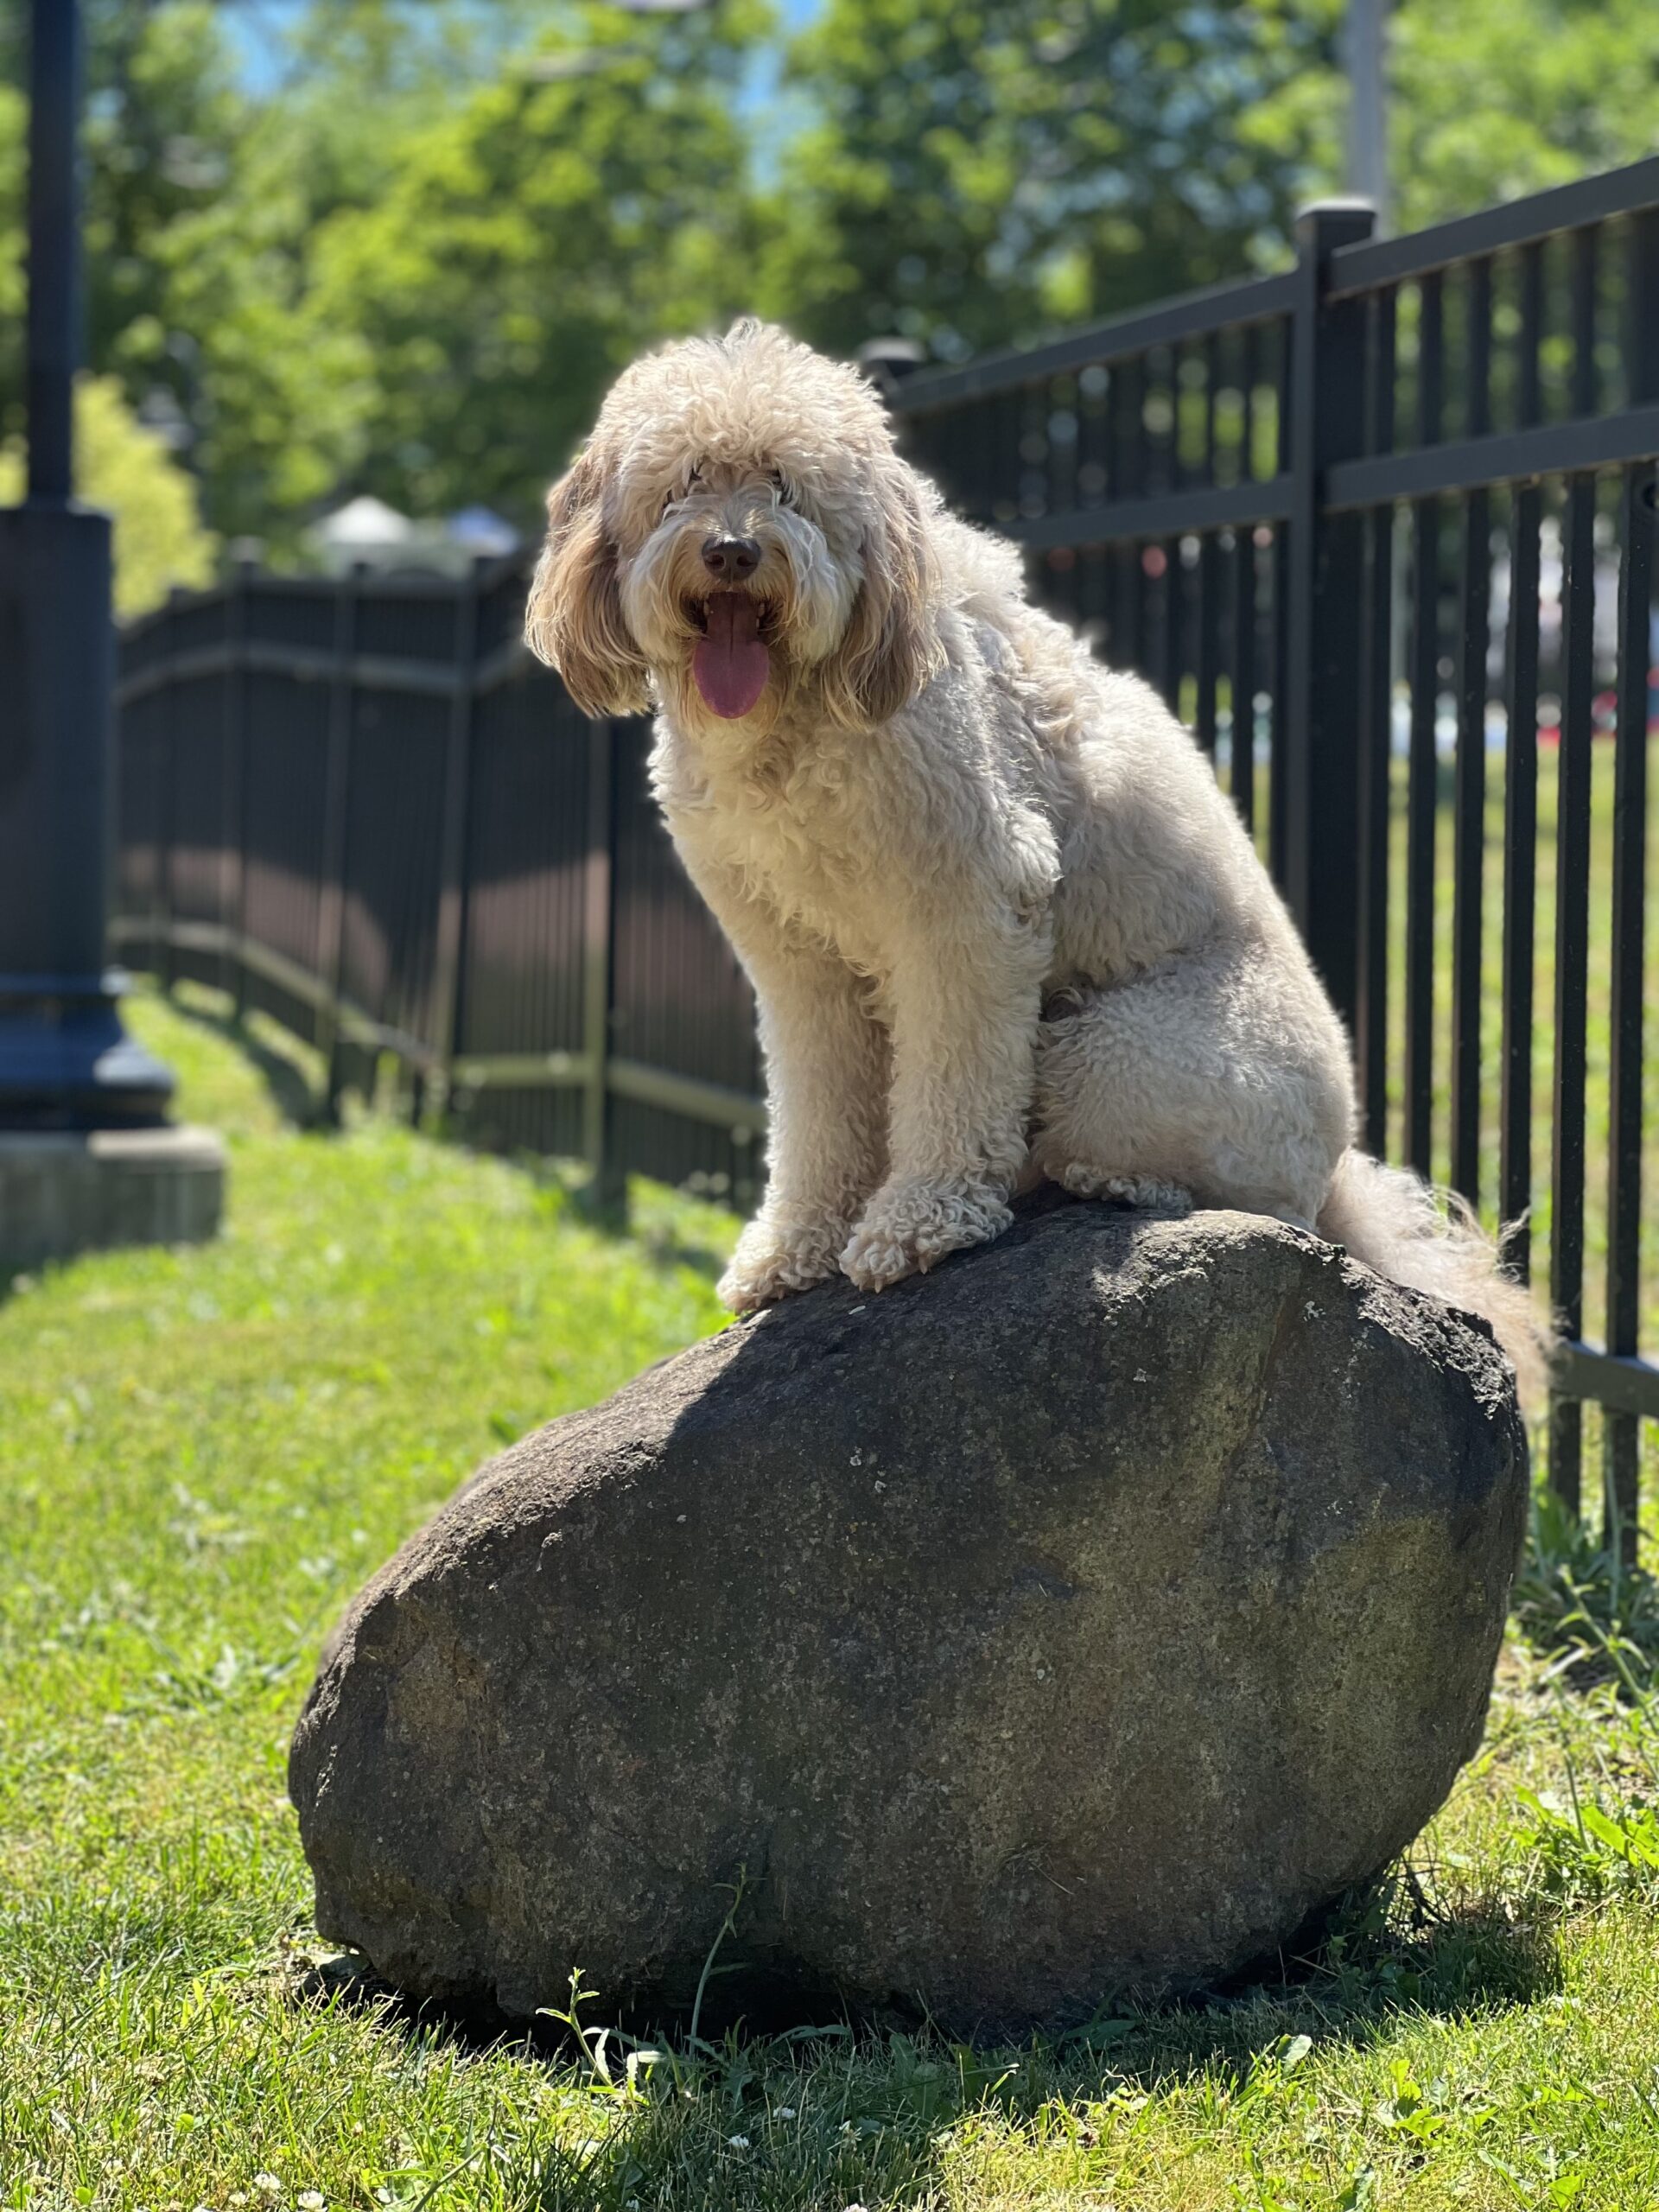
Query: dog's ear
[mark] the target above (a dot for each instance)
(574, 621)
(892, 644)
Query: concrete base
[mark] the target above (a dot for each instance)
(62, 1193)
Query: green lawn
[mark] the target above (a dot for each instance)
(202, 1453)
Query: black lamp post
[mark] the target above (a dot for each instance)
(65, 1063)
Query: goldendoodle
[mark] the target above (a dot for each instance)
(1000, 921)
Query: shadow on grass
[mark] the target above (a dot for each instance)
(676, 1249)
(301, 1101)
(842, 2111)
(653, 1219)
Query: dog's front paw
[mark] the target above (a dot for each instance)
(907, 1226)
(774, 1258)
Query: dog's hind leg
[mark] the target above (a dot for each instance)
(1149, 1192)
(1190, 1085)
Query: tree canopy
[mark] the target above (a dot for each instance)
(592, 195)
(980, 168)
(407, 259)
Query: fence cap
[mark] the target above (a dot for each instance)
(1337, 203)
(1323, 225)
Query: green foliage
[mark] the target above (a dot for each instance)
(531, 238)
(1494, 99)
(13, 124)
(1577, 1601)
(978, 171)
(1585, 1850)
(128, 471)
(410, 263)
(197, 222)
(974, 174)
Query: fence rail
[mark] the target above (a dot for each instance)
(1381, 529)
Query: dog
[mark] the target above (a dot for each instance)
(1002, 923)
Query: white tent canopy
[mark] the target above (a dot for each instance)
(364, 521)
(367, 532)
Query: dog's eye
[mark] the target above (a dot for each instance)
(783, 487)
(675, 494)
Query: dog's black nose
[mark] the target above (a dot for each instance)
(731, 557)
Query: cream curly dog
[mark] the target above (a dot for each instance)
(1000, 921)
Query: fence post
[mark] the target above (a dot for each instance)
(1324, 609)
(1622, 1433)
(452, 878)
(161, 780)
(166, 957)
(331, 918)
(233, 974)
(607, 1189)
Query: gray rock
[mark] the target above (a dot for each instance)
(1085, 1618)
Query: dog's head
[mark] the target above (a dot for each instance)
(737, 528)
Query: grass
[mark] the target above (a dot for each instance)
(202, 1453)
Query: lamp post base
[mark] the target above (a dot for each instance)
(66, 1062)
(64, 1191)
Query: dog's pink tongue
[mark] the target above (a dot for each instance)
(731, 665)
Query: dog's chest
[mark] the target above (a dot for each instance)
(813, 874)
(808, 852)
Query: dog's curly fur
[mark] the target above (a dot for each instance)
(1001, 922)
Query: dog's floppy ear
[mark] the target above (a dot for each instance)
(574, 621)
(891, 644)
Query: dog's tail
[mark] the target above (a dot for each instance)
(1396, 1224)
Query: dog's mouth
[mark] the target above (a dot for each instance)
(731, 658)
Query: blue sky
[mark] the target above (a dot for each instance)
(262, 30)
(261, 27)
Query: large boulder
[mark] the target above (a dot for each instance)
(1085, 1618)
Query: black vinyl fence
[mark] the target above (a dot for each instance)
(1381, 528)
(363, 808)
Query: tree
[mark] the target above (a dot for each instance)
(13, 124)
(979, 170)
(410, 264)
(196, 238)
(127, 470)
(1495, 99)
(982, 167)
(591, 197)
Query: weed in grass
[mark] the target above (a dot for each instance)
(1578, 1598)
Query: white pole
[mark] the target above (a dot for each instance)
(1367, 135)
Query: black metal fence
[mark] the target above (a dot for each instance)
(1381, 529)
(1375, 527)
